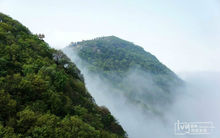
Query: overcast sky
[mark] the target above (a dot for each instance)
(182, 34)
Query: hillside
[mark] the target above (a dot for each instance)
(128, 67)
(42, 93)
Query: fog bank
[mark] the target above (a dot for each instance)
(197, 102)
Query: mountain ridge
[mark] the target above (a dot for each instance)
(125, 50)
(119, 62)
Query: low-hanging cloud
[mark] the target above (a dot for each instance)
(198, 101)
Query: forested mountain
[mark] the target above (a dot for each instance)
(42, 93)
(141, 76)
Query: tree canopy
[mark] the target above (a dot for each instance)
(113, 58)
(136, 73)
(42, 93)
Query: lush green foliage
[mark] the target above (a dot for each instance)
(135, 73)
(42, 93)
(114, 57)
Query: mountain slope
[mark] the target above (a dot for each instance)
(42, 93)
(112, 54)
(128, 67)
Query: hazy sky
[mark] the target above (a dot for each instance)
(183, 34)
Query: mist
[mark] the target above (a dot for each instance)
(197, 101)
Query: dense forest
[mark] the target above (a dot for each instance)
(112, 55)
(42, 93)
(115, 59)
